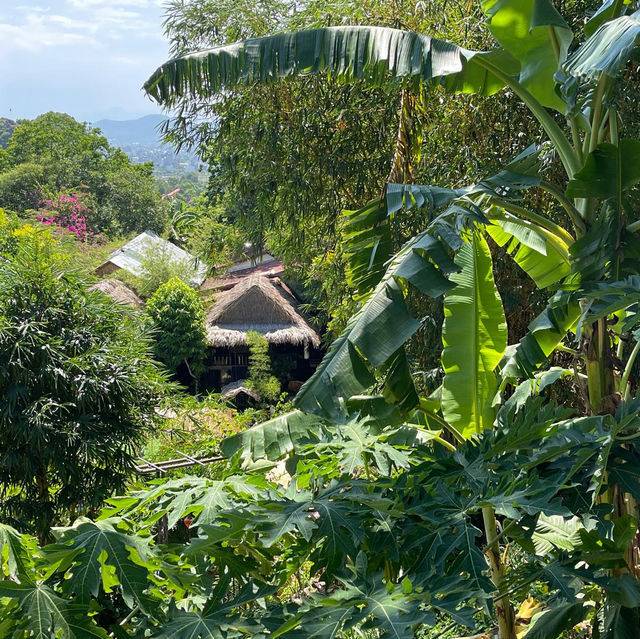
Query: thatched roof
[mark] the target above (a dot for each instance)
(117, 291)
(262, 305)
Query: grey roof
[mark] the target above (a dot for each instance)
(130, 256)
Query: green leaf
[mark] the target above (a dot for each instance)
(607, 170)
(529, 30)
(554, 622)
(607, 51)
(621, 623)
(553, 531)
(16, 551)
(43, 614)
(383, 324)
(102, 554)
(543, 257)
(474, 336)
(545, 333)
(534, 386)
(275, 439)
(374, 54)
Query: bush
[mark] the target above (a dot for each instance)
(20, 187)
(79, 389)
(177, 318)
(157, 267)
(260, 378)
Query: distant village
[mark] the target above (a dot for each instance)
(250, 295)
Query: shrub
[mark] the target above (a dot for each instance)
(178, 323)
(157, 267)
(20, 187)
(260, 378)
(79, 384)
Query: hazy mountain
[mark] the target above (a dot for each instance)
(142, 142)
(140, 131)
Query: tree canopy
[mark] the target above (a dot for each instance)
(54, 152)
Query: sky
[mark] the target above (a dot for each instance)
(87, 58)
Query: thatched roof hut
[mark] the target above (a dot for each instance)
(117, 291)
(258, 304)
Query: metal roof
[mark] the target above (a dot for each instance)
(130, 256)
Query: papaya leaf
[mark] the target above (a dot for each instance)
(104, 555)
(44, 614)
(16, 551)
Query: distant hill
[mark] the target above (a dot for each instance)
(124, 132)
(142, 142)
(6, 129)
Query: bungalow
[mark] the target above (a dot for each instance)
(268, 307)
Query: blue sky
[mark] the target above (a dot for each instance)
(88, 58)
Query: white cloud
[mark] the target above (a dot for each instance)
(39, 31)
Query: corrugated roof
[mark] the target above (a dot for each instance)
(130, 256)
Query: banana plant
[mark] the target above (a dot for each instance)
(589, 266)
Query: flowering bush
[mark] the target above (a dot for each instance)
(68, 211)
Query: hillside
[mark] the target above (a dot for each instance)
(6, 129)
(125, 132)
(140, 139)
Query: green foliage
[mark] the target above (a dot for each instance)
(157, 267)
(79, 384)
(6, 129)
(54, 151)
(20, 187)
(178, 326)
(260, 378)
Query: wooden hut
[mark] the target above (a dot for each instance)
(268, 307)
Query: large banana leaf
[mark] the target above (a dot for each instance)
(474, 336)
(543, 257)
(534, 33)
(274, 439)
(366, 232)
(607, 51)
(381, 327)
(607, 171)
(374, 54)
(545, 333)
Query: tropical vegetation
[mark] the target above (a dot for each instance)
(502, 502)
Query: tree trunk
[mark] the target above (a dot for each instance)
(504, 612)
(43, 526)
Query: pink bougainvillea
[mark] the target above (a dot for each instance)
(68, 211)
